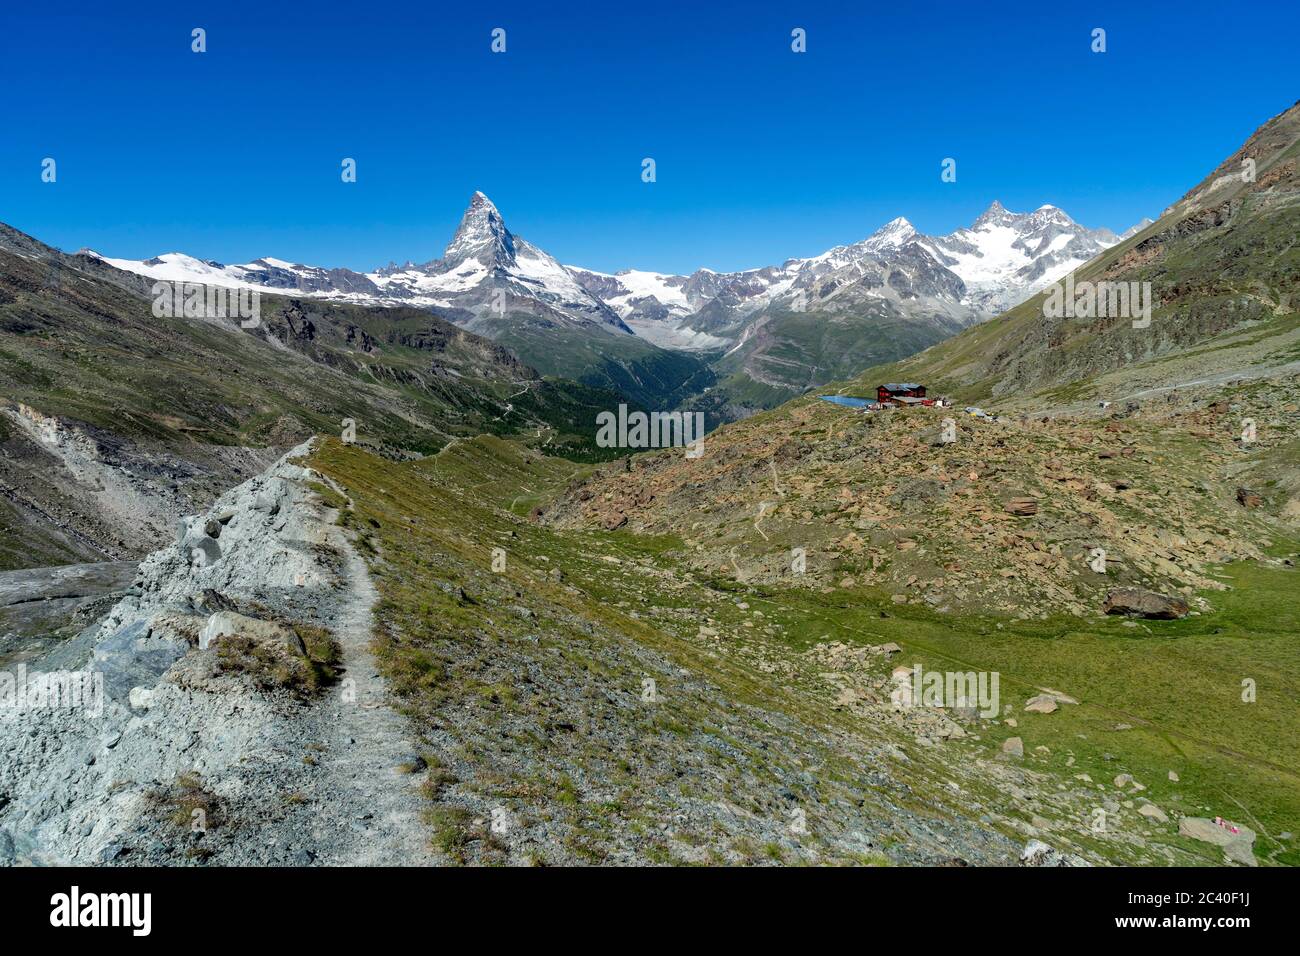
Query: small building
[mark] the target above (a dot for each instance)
(894, 392)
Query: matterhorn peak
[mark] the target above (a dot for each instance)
(482, 235)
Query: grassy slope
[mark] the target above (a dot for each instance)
(1177, 684)
(499, 696)
(25, 543)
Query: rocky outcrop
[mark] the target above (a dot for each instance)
(1038, 853)
(1237, 841)
(1249, 498)
(1023, 518)
(1024, 507)
(163, 726)
(1144, 604)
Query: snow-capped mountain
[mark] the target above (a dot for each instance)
(974, 273)
(1134, 229)
(1005, 257)
(263, 275)
(485, 274)
(489, 272)
(660, 337)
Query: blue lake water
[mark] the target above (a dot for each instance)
(847, 400)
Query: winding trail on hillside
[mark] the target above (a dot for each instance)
(371, 810)
(1244, 374)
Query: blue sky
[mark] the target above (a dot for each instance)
(761, 153)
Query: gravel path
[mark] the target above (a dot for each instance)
(372, 809)
(286, 782)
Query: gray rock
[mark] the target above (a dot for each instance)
(1237, 847)
(134, 656)
(232, 624)
(268, 500)
(1038, 853)
(207, 551)
(111, 852)
(1151, 811)
(1142, 603)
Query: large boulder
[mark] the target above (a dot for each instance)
(268, 633)
(1143, 603)
(1249, 498)
(1038, 853)
(135, 654)
(1237, 841)
(1153, 812)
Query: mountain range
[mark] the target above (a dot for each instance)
(751, 338)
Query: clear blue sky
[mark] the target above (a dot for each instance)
(761, 153)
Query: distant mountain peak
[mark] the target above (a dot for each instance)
(996, 214)
(999, 215)
(482, 235)
(898, 226)
(1137, 227)
(892, 234)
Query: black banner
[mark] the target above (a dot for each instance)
(306, 905)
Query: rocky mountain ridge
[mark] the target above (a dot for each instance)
(1002, 257)
(897, 291)
(192, 747)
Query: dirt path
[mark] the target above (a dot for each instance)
(372, 810)
(1245, 374)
